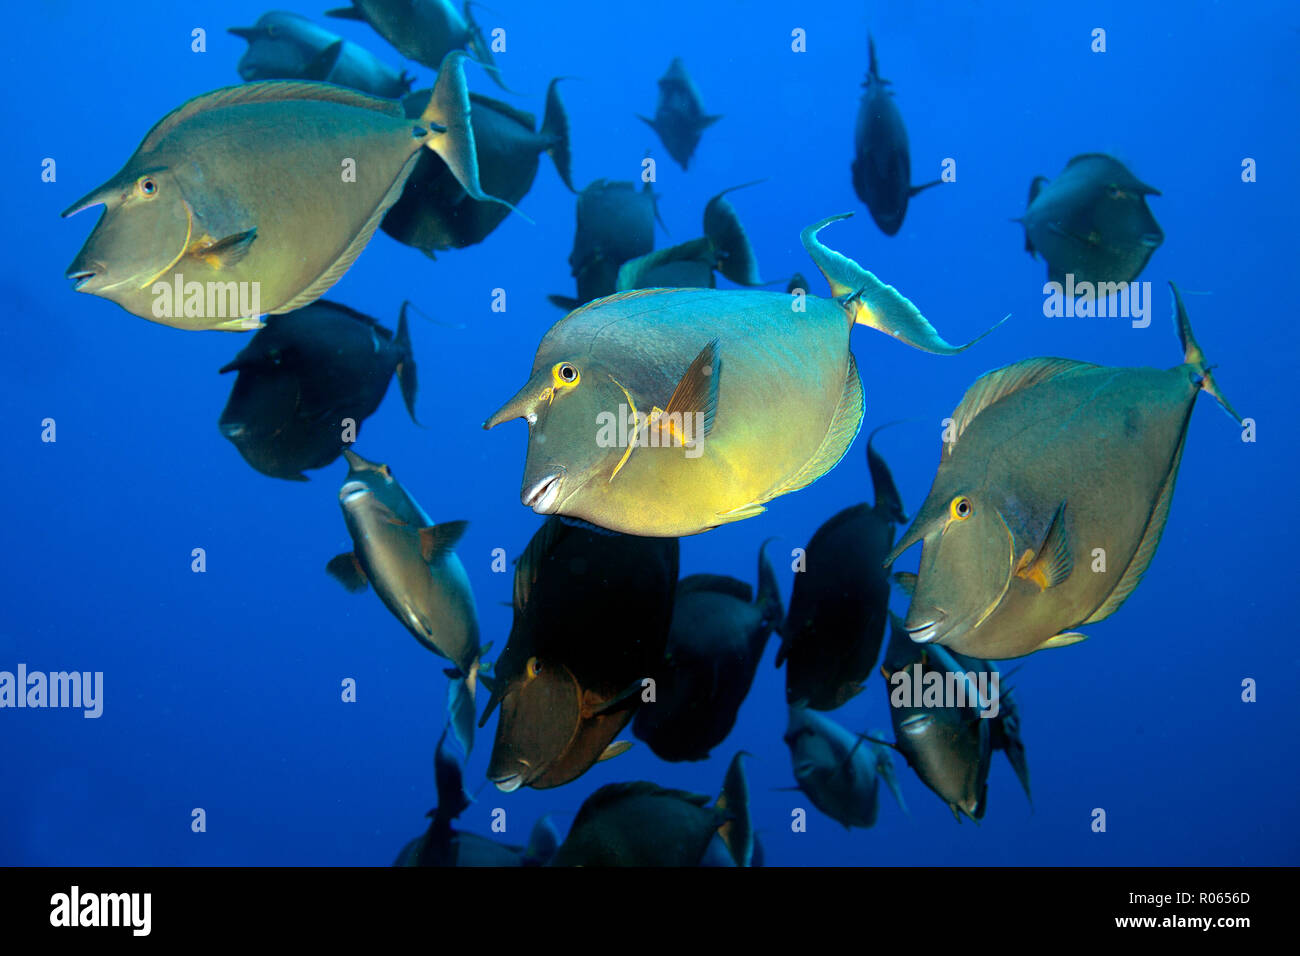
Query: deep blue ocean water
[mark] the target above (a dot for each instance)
(222, 689)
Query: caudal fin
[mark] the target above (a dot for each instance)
(868, 301)
(460, 708)
(1194, 357)
(555, 129)
(451, 135)
(406, 376)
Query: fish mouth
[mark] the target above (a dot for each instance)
(545, 494)
(916, 724)
(81, 278)
(925, 632)
(353, 491)
(233, 430)
(509, 784)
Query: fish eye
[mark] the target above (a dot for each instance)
(565, 373)
(534, 667)
(386, 472)
(961, 508)
(146, 186)
(1114, 191)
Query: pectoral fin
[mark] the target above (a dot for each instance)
(695, 395)
(347, 570)
(1054, 561)
(437, 541)
(224, 253)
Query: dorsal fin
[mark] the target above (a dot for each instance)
(266, 92)
(1147, 548)
(618, 297)
(715, 583)
(992, 387)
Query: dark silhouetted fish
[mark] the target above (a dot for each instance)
(1092, 222)
(717, 639)
(679, 118)
(644, 824)
(882, 165)
(840, 603)
(838, 771)
(724, 248)
(423, 30)
(1004, 729)
(435, 212)
(615, 223)
(415, 571)
(303, 376)
(440, 845)
(1052, 460)
(286, 46)
(591, 618)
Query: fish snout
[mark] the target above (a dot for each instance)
(544, 495)
(233, 430)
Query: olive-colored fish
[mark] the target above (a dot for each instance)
(832, 634)
(570, 676)
(415, 571)
(671, 411)
(1053, 459)
(304, 376)
(716, 641)
(440, 845)
(949, 746)
(1092, 222)
(236, 203)
(287, 46)
(679, 119)
(615, 223)
(425, 31)
(435, 212)
(724, 248)
(839, 772)
(882, 164)
(644, 824)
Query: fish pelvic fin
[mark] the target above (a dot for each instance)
(1194, 357)
(451, 135)
(868, 301)
(1064, 639)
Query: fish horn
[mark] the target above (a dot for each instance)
(525, 402)
(246, 33)
(868, 301)
(95, 197)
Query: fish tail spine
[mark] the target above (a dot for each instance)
(1194, 357)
